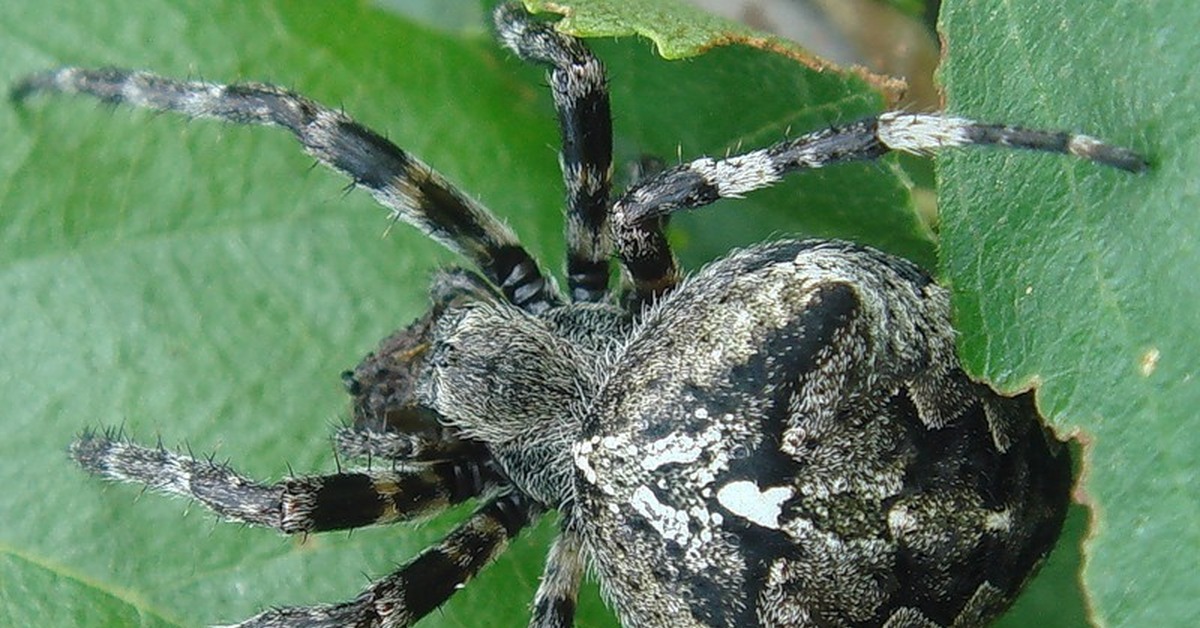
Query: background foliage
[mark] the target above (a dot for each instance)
(198, 282)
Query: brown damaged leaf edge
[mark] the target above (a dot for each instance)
(1085, 444)
(891, 88)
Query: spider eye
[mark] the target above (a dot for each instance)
(351, 383)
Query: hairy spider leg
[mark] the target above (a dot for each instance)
(636, 216)
(557, 595)
(403, 448)
(409, 189)
(295, 505)
(424, 583)
(580, 89)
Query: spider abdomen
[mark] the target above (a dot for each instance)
(765, 452)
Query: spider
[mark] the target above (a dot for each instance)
(783, 438)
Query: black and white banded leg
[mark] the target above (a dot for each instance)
(409, 189)
(295, 505)
(557, 595)
(636, 216)
(578, 83)
(425, 582)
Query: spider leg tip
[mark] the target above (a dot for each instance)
(1129, 161)
(1106, 154)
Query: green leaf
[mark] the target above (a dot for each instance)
(24, 585)
(677, 28)
(1080, 280)
(200, 283)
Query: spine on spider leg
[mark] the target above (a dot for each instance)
(578, 83)
(409, 189)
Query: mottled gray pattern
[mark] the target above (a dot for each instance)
(757, 440)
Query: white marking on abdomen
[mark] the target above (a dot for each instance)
(744, 499)
(672, 524)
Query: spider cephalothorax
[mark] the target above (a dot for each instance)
(784, 438)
